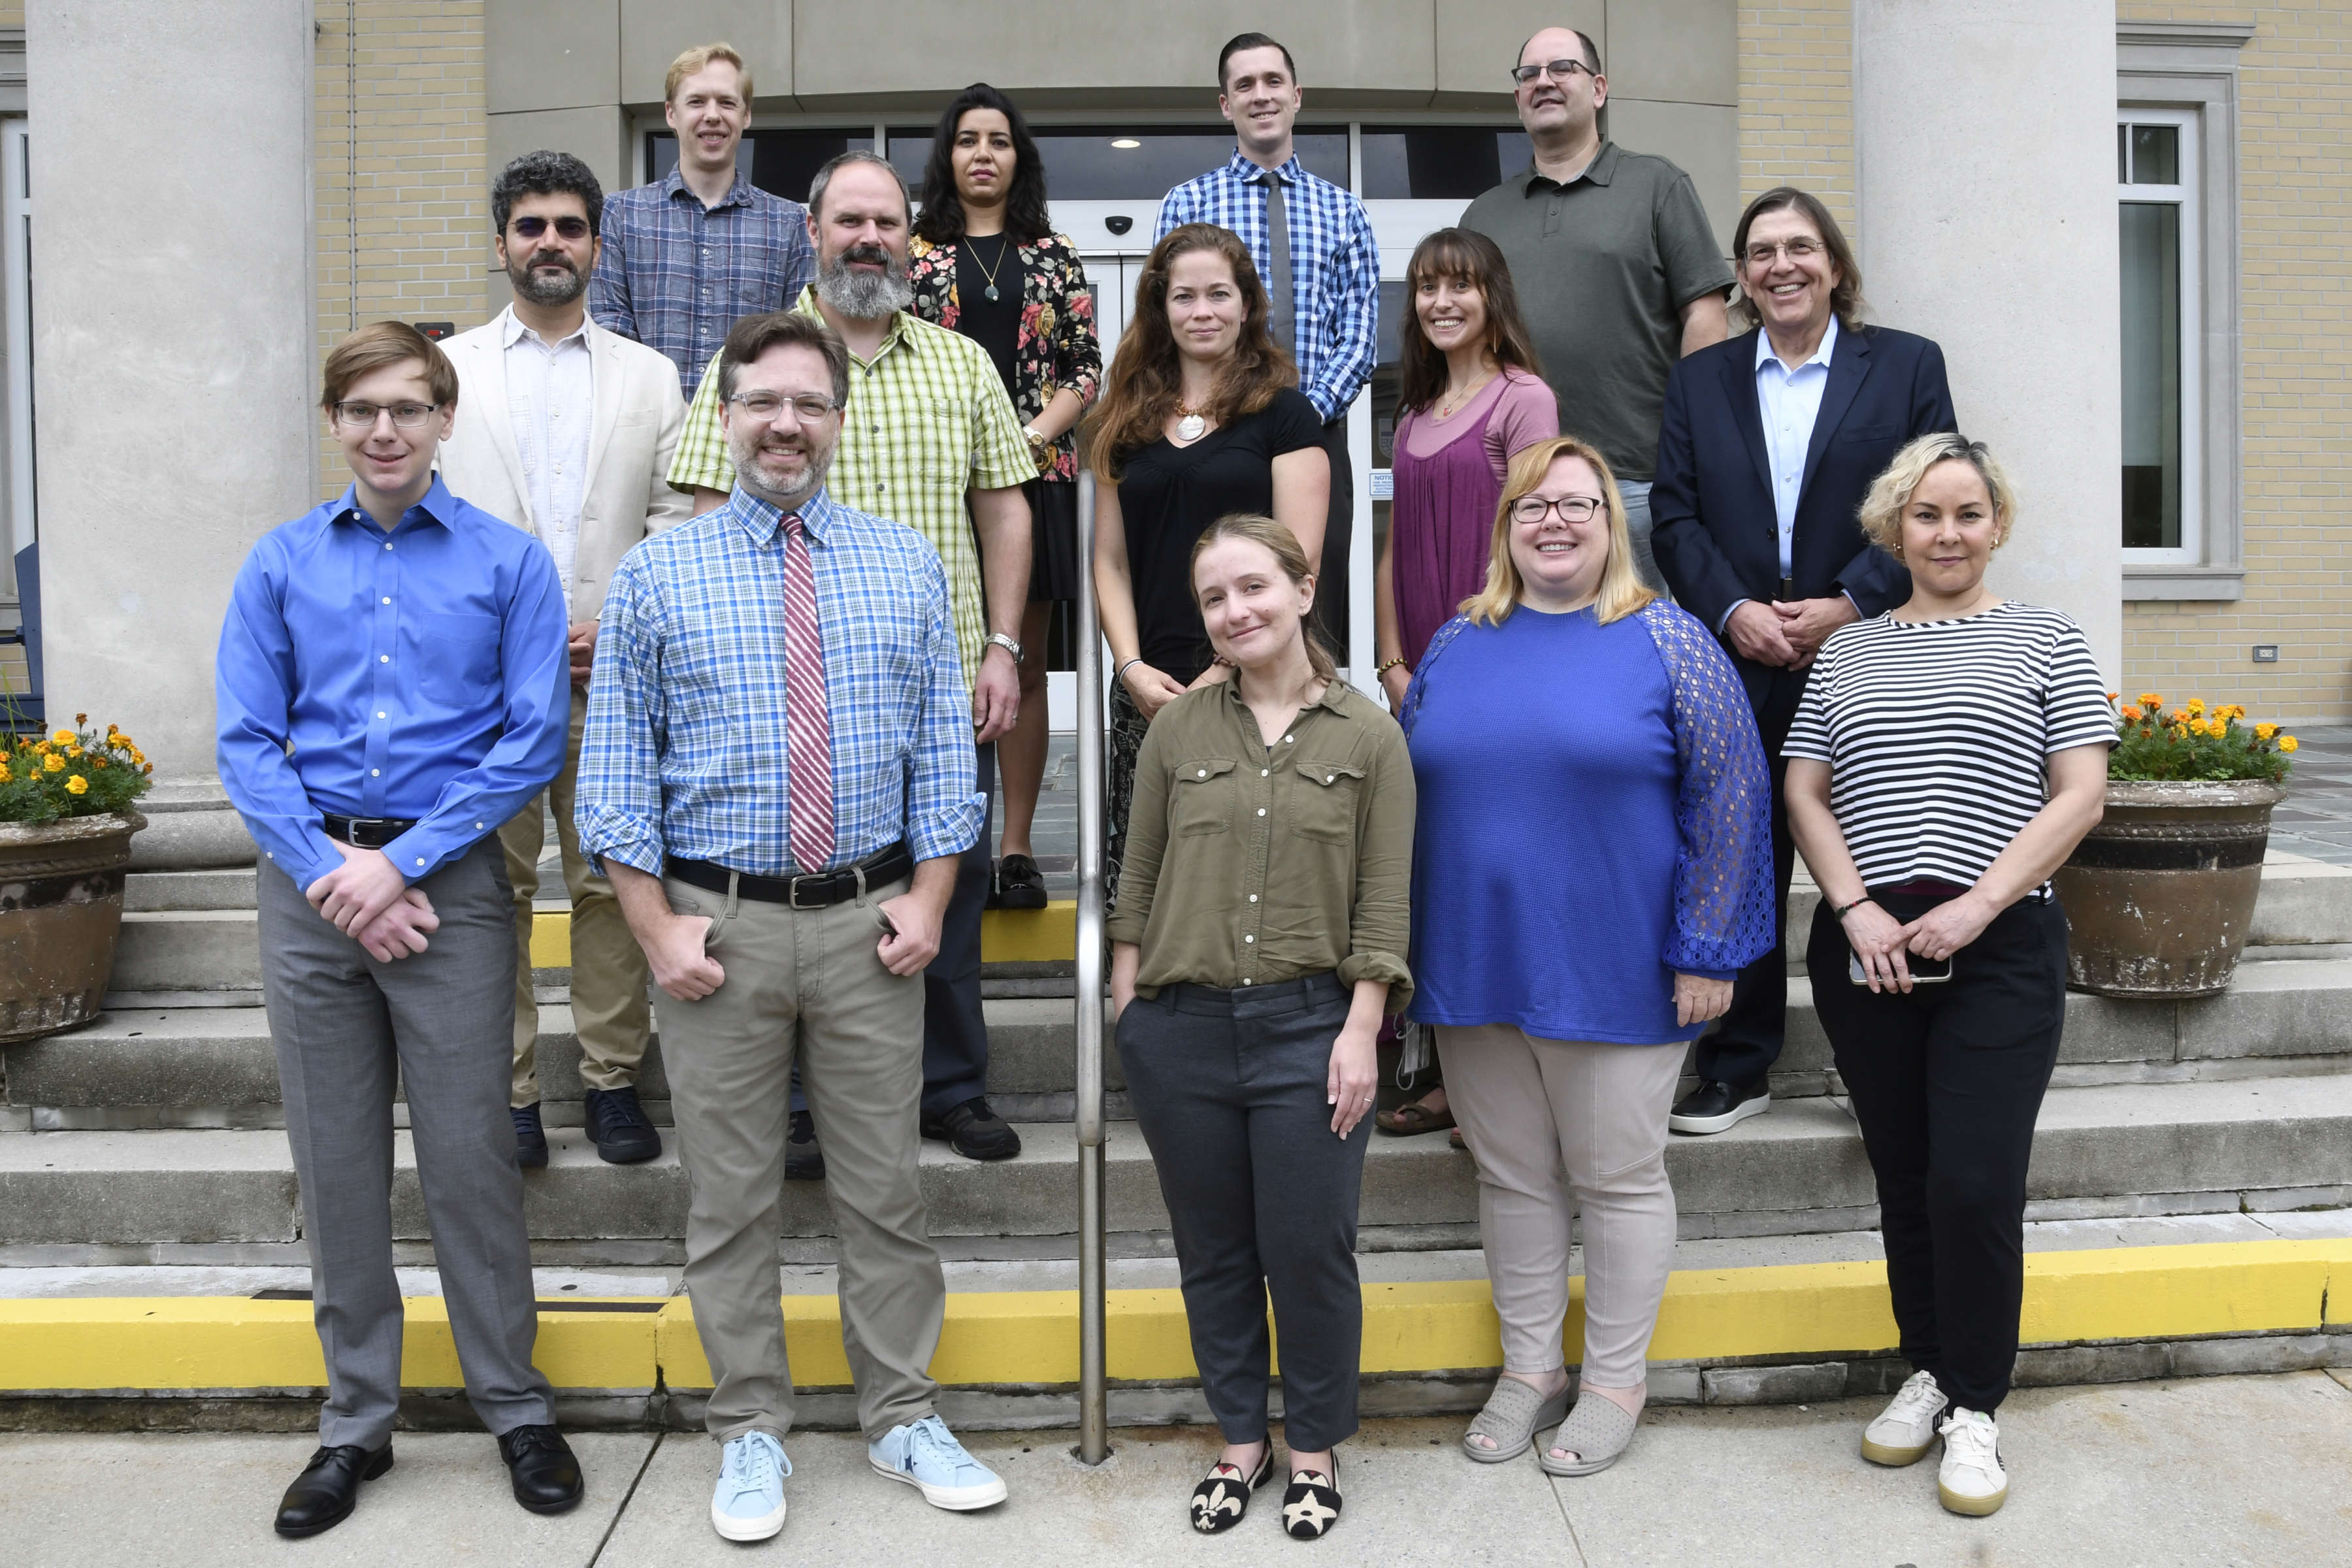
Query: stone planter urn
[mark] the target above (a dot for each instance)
(60, 908)
(2160, 895)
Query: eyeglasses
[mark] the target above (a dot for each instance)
(1572, 509)
(569, 227)
(808, 408)
(362, 415)
(1804, 248)
(1558, 70)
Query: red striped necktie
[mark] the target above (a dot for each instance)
(809, 727)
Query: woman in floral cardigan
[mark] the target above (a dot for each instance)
(986, 262)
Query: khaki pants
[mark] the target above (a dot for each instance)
(805, 986)
(608, 969)
(1559, 1126)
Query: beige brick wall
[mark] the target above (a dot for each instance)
(2295, 158)
(403, 187)
(1796, 103)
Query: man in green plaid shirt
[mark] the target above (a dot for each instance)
(927, 433)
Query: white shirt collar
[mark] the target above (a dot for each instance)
(1821, 356)
(511, 332)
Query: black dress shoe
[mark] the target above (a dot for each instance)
(1310, 1504)
(974, 1131)
(618, 1127)
(1224, 1495)
(531, 1138)
(324, 1494)
(546, 1476)
(803, 1160)
(1019, 884)
(1716, 1107)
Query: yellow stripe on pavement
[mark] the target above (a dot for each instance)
(1006, 936)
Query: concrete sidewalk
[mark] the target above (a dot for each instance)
(2249, 1472)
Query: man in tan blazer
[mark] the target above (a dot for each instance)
(566, 431)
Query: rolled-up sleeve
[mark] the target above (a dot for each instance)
(943, 812)
(618, 800)
(1379, 923)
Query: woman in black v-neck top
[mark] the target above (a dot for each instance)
(1202, 417)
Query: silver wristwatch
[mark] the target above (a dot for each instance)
(999, 640)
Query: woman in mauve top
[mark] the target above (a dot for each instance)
(1592, 862)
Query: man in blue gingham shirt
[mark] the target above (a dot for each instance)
(1329, 315)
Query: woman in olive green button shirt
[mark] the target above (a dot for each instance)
(1260, 935)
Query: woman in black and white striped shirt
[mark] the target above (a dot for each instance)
(1945, 758)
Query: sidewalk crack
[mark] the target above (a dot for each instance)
(644, 1465)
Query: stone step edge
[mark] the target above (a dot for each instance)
(85, 1346)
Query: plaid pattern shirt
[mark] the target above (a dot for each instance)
(1334, 267)
(685, 751)
(928, 417)
(675, 274)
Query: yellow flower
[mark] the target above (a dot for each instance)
(2233, 712)
(5, 776)
(2264, 731)
(2288, 743)
(53, 764)
(62, 738)
(2196, 705)
(2150, 699)
(77, 786)
(73, 750)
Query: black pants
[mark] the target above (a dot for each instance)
(1229, 1088)
(1742, 1048)
(1340, 524)
(1946, 1083)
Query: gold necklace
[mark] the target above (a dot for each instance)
(1003, 244)
(1446, 410)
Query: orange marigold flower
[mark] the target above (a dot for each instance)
(2150, 699)
(2131, 714)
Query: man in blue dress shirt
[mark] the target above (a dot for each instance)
(388, 683)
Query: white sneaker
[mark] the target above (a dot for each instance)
(1972, 1480)
(1905, 1429)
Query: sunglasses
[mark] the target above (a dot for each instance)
(569, 227)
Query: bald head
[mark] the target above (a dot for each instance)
(1561, 43)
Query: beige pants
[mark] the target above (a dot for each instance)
(1558, 1126)
(608, 969)
(810, 985)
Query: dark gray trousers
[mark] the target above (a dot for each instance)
(1228, 1086)
(440, 1023)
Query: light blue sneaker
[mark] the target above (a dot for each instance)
(748, 1504)
(926, 1455)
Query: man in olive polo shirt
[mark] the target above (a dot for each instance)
(1619, 272)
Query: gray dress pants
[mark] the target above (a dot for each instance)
(441, 1024)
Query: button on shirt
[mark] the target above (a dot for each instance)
(411, 674)
(551, 402)
(1790, 401)
(1334, 267)
(675, 274)
(1248, 864)
(684, 752)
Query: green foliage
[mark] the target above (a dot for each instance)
(2191, 744)
(70, 772)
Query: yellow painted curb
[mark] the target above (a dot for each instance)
(1006, 936)
(1030, 1337)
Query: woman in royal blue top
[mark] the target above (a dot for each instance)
(1592, 863)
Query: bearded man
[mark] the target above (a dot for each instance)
(566, 431)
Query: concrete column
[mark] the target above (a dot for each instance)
(173, 346)
(1984, 133)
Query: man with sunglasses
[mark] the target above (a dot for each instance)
(1618, 270)
(566, 431)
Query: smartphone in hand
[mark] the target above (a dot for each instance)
(1925, 970)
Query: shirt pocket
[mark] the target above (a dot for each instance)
(457, 657)
(1324, 806)
(1203, 800)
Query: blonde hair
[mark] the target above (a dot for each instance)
(1252, 528)
(1881, 513)
(697, 58)
(1621, 590)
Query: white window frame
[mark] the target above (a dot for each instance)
(2187, 73)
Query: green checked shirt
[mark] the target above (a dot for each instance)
(928, 418)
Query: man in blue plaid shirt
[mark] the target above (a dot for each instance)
(702, 247)
(1316, 257)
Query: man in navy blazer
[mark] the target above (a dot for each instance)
(1769, 441)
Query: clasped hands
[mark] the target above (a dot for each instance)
(1884, 943)
(1787, 633)
(369, 900)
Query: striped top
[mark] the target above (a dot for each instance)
(1936, 733)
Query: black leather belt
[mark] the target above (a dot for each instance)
(815, 890)
(1788, 590)
(367, 832)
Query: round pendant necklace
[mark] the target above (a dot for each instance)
(990, 272)
(1189, 426)
(1449, 407)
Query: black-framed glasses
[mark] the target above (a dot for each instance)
(532, 228)
(1572, 509)
(1803, 248)
(808, 407)
(363, 415)
(1558, 70)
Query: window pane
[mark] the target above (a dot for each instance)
(780, 161)
(2151, 374)
(2156, 155)
(1440, 161)
(1088, 163)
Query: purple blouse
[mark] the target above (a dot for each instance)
(1449, 478)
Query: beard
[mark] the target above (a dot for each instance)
(548, 288)
(864, 296)
(761, 468)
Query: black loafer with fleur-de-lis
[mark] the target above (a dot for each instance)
(1310, 1505)
(1223, 1494)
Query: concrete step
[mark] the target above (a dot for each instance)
(2258, 1144)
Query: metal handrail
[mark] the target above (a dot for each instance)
(1093, 1417)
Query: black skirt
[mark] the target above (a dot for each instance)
(1054, 540)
